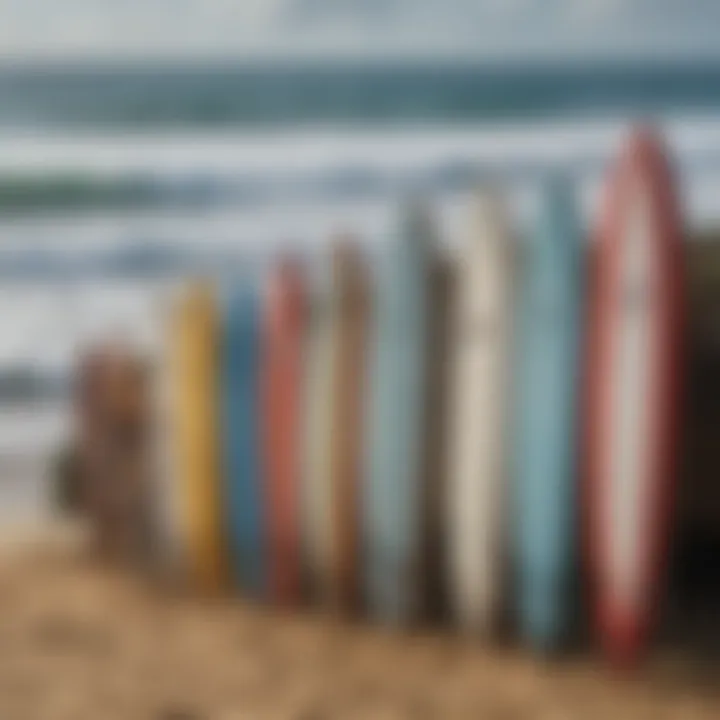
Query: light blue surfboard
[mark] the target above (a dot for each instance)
(239, 391)
(547, 416)
(392, 511)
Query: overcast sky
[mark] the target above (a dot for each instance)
(368, 28)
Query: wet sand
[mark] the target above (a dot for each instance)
(79, 642)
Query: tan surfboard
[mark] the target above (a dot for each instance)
(169, 535)
(351, 308)
(195, 452)
(318, 362)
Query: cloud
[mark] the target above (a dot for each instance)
(475, 28)
(109, 26)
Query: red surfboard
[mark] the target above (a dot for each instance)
(634, 392)
(280, 402)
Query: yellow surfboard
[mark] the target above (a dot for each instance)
(193, 358)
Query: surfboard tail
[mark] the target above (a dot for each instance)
(622, 634)
(542, 611)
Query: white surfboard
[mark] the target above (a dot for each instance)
(480, 387)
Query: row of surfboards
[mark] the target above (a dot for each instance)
(432, 434)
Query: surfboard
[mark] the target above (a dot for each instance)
(634, 385)
(282, 357)
(350, 285)
(435, 441)
(545, 487)
(240, 397)
(170, 541)
(394, 424)
(479, 416)
(194, 376)
(320, 340)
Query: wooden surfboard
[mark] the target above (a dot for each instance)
(320, 342)
(283, 342)
(482, 348)
(547, 416)
(634, 379)
(243, 491)
(435, 443)
(194, 376)
(395, 419)
(348, 391)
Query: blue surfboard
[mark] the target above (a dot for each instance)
(546, 478)
(392, 522)
(240, 406)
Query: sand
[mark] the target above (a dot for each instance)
(81, 642)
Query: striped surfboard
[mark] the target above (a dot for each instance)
(634, 393)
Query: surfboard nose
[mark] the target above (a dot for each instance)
(487, 211)
(645, 145)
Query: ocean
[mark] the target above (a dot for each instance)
(289, 95)
(115, 181)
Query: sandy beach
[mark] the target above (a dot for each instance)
(78, 641)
